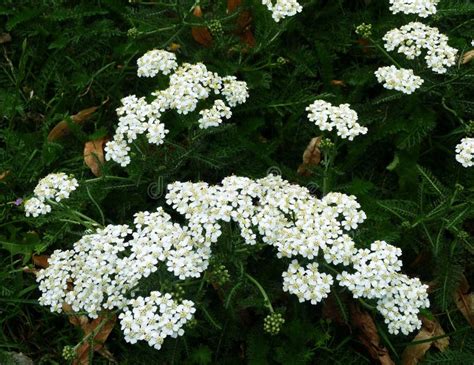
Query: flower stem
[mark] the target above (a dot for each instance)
(266, 299)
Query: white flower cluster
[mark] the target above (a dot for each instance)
(342, 118)
(282, 8)
(377, 276)
(188, 84)
(213, 117)
(465, 152)
(412, 38)
(103, 268)
(422, 8)
(56, 187)
(156, 61)
(102, 276)
(403, 80)
(307, 283)
(154, 318)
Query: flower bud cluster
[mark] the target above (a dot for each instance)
(377, 276)
(272, 323)
(342, 118)
(188, 84)
(56, 187)
(412, 38)
(282, 8)
(154, 318)
(402, 79)
(364, 30)
(422, 8)
(465, 152)
(307, 283)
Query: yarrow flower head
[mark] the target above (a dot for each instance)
(465, 152)
(341, 118)
(402, 79)
(282, 8)
(154, 318)
(157, 61)
(422, 8)
(56, 187)
(307, 283)
(213, 117)
(104, 268)
(412, 38)
(188, 84)
(377, 276)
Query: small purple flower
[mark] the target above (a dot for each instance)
(18, 201)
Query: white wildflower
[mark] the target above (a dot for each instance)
(56, 187)
(465, 152)
(213, 117)
(341, 118)
(415, 37)
(282, 8)
(422, 8)
(156, 61)
(403, 80)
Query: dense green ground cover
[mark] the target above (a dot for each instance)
(60, 57)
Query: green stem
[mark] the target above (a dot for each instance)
(266, 299)
(381, 49)
(96, 330)
(366, 305)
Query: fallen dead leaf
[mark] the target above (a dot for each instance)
(368, 335)
(465, 301)
(338, 83)
(40, 261)
(94, 155)
(201, 34)
(95, 332)
(244, 31)
(174, 47)
(5, 38)
(232, 5)
(365, 44)
(431, 328)
(4, 174)
(311, 156)
(467, 57)
(62, 128)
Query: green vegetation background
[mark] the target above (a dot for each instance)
(65, 56)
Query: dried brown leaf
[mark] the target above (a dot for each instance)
(201, 34)
(95, 332)
(232, 5)
(311, 156)
(100, 328)
(5, 38)
(62, 128)
(94, 155)
(465, 301)
(338, 83)
(368, 335)
(431, 328)
(244, 25)
(74, 318)
(174, 47)
(467, 57)
(4, 174)
(40, 260)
